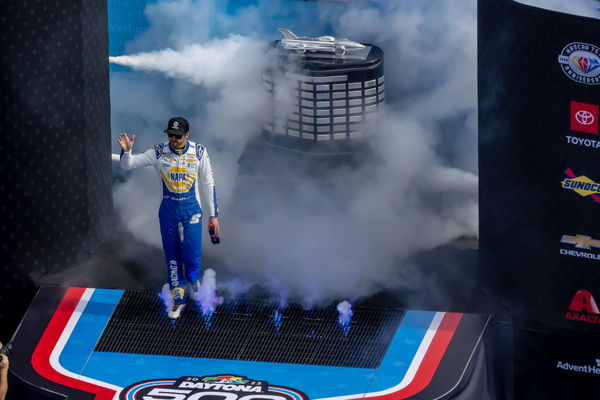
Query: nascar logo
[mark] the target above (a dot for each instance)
(581, 62)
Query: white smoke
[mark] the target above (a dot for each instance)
(345, 310)
(209, 65)
(167, 297)
(227, 71)
(206, 296)
(306, 240)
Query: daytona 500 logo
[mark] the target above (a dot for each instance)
(212, 387)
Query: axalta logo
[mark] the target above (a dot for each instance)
(583, 308)
(216, 387)
(582, 185)
(580, 242)
(584, 117)
(581, 62)
(590, 368)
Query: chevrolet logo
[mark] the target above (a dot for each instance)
(581, 241)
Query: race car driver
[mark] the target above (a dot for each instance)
(183, 166)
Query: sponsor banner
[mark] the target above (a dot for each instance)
(581, 62)
(523, 138)
(218, 386)
(582, 185)
(584, 117)
(592, 368)
(583, 142)
(580, 243)
(583, 308)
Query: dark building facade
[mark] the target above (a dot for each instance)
(55, 128)
(539, 73)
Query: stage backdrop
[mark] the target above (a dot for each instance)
(55, 163)
(539, 146)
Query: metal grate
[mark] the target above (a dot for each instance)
(248, 331)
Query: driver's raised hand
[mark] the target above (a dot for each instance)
(125, 142)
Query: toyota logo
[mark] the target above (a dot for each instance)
(584, 117)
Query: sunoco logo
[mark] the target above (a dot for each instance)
(580, 242)
(212, 387)
(581, 62)
(583, 308)
(582, 185)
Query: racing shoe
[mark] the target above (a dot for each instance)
(175, 312)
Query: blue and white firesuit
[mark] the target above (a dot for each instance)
(181, 172)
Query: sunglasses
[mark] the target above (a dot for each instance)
(176, 136)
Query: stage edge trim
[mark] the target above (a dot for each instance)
(424, 363)
(45, 357)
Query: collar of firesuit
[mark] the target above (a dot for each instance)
(182, 150)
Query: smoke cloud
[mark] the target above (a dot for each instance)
(347, 233)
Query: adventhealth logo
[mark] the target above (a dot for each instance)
(582, 242)
(583, 308)
(588, 369)
(582, 185)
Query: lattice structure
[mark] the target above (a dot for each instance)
(251, 331)
(326, 107)
(323, 103)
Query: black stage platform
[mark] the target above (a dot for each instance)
(88, 343)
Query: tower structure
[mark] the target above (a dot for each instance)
(322, 101)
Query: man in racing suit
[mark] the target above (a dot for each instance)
(182, 166)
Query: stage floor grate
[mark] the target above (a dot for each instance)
(251, 331)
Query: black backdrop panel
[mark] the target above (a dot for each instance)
(535, 132)
(557, 364)
(55, 147)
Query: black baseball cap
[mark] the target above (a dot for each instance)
(178, 126)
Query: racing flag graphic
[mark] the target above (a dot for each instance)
(584, 117)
